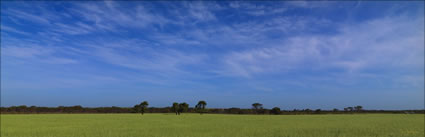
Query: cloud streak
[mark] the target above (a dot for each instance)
(368, 45)
(221, 47)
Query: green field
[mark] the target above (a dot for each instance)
(211, 125)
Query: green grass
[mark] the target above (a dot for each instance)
(214, 125)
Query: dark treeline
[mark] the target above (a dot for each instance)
(198, 109)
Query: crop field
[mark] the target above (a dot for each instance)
(211, 125)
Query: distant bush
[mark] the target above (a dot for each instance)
(184, 107)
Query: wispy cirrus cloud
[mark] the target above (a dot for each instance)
(368, 45)
(165, 60)
(258, 9)
(261, 51)
(225, 48)
(29, 17)
(10, 29)
(200, 11)
(31, 54)
(273, 54)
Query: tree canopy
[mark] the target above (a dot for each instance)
(200, 107)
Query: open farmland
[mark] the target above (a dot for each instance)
(211, 125)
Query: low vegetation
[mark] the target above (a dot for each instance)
(209, 125)
(201, 107)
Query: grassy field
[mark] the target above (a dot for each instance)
(195, 125)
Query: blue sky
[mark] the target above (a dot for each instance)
(292, 54)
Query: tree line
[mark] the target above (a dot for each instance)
(201, 108)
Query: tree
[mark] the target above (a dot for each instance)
(136, 108)
(21, 108)
(350, 108)
(307, 111)
(183, 107)
(318, 110)
(257, 107)
(358, 108)
(175, 108)
(143, 106)
(335, 110)
(275, 110)
(33, 109)
(233, 110)
(200, 107)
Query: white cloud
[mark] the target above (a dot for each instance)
(258, 9)
(58, 60)
(78, 28)
(278, 44)
(29, 17)
(10, 29)
(136, 54)
(309, 4)
(387, 43)
(201, 11)
(24, 52)
(100, 15)
(31, 53)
